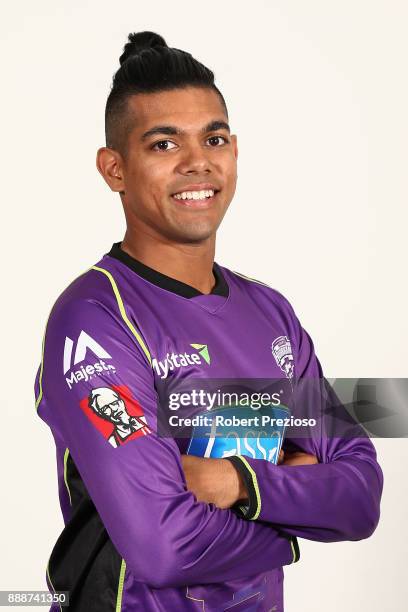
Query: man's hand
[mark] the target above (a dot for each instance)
(217, 481)
(213, 480)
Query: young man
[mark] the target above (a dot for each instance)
(148, 527)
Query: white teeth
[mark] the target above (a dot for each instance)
(194, 195)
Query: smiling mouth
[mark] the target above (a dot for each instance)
(196, 199)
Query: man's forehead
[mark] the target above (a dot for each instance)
(107, 396)
(189, 109)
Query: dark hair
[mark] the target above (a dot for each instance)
(148, 65)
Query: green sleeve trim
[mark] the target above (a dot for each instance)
(40, 393)
(50, 581)
(254, 280)
(123, 312)
(66, 454)
(295, 549)
(251, 512)
(120, 586)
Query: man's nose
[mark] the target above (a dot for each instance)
(194, 159)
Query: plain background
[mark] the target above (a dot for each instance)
(317, 94)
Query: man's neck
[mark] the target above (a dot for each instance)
(189, 263)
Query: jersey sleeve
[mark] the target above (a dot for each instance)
(336, 499)
(95, 389)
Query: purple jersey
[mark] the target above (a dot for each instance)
(135, 538)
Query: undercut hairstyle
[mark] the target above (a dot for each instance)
(148, 65)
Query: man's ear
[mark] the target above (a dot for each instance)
(109, 164)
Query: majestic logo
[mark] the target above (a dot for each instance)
(282, 352)
(84, 345)
(173, 361)
(116, 414)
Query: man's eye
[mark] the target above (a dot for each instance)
(156, 146)
(216, 138)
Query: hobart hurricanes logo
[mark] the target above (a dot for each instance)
(86, 349)
(173, 361)
(282, 352)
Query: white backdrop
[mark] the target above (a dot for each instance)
(317, 94)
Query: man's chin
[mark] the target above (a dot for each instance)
(118, 422)
(191, 233)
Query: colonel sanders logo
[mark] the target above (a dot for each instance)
(116, 414)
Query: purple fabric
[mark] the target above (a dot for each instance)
(182, 554)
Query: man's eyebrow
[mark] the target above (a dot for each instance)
(170, 130)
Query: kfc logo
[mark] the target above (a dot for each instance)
(116, 414)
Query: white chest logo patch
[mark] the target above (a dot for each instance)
(282, 352)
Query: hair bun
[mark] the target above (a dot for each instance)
(139, 41)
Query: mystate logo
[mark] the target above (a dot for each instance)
(84, 345)
(173, 361)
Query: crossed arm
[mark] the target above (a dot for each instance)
(217, 481)
(328, 497)
(323, 488)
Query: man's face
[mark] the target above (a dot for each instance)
(114, 411)
(203, 155)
